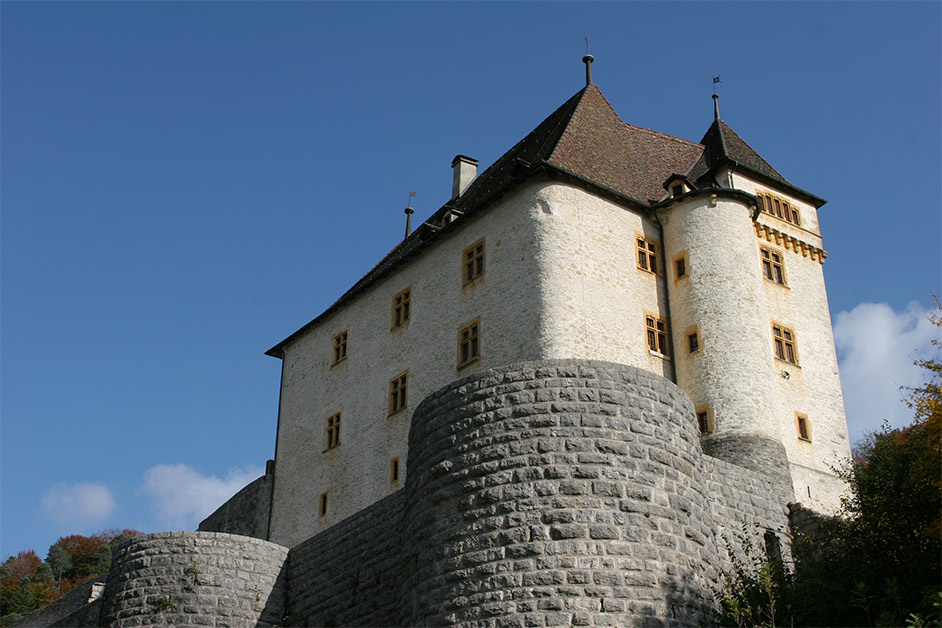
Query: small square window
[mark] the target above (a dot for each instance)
(322, 505)
(469, 343)
(783, 342)
(473, 262)
(693, 342)
(401, 308)
(332, 431)
(677, 189)
(398, 391)
(647, 253)
(772, 267)
(340, 347)
(803, 426)
(656, 329)
(704, 419)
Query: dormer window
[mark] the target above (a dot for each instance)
(677, 189)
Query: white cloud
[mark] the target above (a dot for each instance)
(184, 496)
(78, 506)
(876, 348)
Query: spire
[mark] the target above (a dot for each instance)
(587, 60)
(716, 98)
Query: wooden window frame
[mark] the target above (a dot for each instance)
(398, 393)
(473, 263)
(656, 334)
(339, 347)
(322, 505)
(779, 207)
(705, 410)
(803, 427)
(773, 261)
(401, 309)
(472, 340)
(332, 427)
(784, 343)
(646, 253)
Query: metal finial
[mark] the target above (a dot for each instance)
(587, 60)
(409, 211)
(716, 99)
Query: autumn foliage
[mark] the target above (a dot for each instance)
(28, 583)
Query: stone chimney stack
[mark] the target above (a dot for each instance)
(466, 169)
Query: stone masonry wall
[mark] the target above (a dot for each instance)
(557, 493)
(195, 578)
(246, 513)
(349, 575)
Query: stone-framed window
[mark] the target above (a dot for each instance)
(681, 264)
(773, 268)
(339, 353)
(332, 431)
(656, 332)
(472, 262)
(394, 472)
(779, 207)
(647, 253)
(398, 393)
(469, 343)
(692, 340)
(803, 427)
(322, 505)
(401, 308)
(784, 344)
(705, 419)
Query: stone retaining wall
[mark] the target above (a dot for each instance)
(557, 493)
(195, 578)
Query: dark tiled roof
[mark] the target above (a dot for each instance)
(585, 139)
(722, 146)
(631, 160)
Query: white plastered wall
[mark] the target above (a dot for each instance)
(356, 474)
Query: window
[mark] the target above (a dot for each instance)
(783, 339)
(779, 208)
(704, 418)
(680, 266)
(473, 261)
(322, 505)
(401, 307)
(656, 328)
(332, 431)
(677, 189)
(394, 471)
(772, 267)
(693, 341)
(647, 253)
(803, 426)
(398, 391)
(469, 343)
(340, 347)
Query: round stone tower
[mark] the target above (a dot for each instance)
(562, 492)
(719, 297)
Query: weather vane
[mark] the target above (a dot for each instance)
(412, 195)
(716, 79)
(586, 37)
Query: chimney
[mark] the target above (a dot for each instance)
(466, 169)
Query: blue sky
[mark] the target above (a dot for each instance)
(185, 184)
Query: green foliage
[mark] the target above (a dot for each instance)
(752, 593)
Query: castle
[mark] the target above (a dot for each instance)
(548, 405)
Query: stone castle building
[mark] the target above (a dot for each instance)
(548, 405)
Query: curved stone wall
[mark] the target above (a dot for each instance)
(557, 493)
(181, 578)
